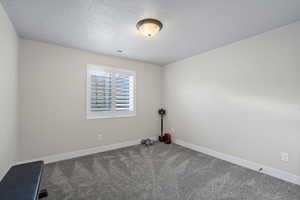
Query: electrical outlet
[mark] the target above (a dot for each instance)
(284, 157)
(172, 130)
(100, 137)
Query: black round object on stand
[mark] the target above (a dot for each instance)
(162, 113)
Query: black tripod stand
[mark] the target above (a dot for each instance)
(162, 113)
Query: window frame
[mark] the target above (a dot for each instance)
(108, 114)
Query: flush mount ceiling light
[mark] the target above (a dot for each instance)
(149, 27)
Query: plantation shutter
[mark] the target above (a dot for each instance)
(124, 92)
(100, 92)
(110, 92)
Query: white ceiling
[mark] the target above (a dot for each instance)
(190, 26)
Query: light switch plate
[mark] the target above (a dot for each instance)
(100, 137)
(284, 157)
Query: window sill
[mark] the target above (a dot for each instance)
(110, 117)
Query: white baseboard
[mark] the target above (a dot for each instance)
(85, 152)
(286, 176)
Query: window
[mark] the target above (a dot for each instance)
(110, 92)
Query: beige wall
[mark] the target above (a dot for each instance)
(242, 99)
(52, 100)
(8, 93)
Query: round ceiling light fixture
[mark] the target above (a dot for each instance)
(149, 27)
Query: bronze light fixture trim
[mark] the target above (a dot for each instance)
(149, 27)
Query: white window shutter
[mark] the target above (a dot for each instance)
(100, 91)
(110, 92)
(124, 92)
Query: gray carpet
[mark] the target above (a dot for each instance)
(161, 172)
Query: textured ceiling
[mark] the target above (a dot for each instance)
(190, 27)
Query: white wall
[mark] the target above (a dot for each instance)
(242, 99)
(52, 101)
(8, 93)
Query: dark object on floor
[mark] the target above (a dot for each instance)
(22, 182)
(147, 142)
(43, 194)
(161, 138)
(162, 113)
(167, 138)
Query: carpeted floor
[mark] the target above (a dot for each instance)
(161, 172)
